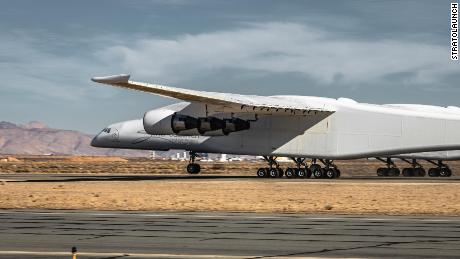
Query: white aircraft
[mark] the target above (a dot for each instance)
(299, 127)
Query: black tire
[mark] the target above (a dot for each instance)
(445, 172)
(318, 173)
(393, 172)
(433, 172)
(280, 172)
(307, 173)
(193, 168)
(290, 172)
(407, 172)
(382, 171)
(300, 172)
(273, 173)
(262, 172)
(330, 173)
(419, 171)
(313, 167)
(338, 172)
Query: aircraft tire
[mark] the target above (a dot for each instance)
(393, 172)
(381, 171)
(300, 172)
(318, 173)
(262, 172)
(280, 172)
(407, 172)
(420, 172)
(338, 172)
(273, 173)
(193, 168)
(331, 173)
(445, 172)
(290, 172)
(307, 172)
(433, 172)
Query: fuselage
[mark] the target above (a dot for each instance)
(131, 135)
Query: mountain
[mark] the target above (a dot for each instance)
(35, 138)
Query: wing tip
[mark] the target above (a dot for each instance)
(122, 78)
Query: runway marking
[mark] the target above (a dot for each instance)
(181, 215)
(178, 256)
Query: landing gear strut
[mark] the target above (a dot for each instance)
(390, 170)
(192, 167)
(415, 170)
(273, 171)
(442, 169)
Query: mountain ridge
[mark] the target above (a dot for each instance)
(36, 138)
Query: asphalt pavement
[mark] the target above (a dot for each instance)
(118, 234)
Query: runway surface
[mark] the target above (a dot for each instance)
(35, 177)
(112, 234)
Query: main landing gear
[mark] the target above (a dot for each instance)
(416, 169)
(441, 169)
(329, 171)
(390, 170)
(273, 171)
(192, 167)
(301, 170)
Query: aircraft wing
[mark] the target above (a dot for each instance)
(230, 102)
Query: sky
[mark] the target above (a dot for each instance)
(370, 51)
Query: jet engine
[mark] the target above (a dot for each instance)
(235, 124)
(209, 124)
(167, 122)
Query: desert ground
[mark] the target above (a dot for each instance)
(152, 188)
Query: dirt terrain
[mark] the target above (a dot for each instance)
(349, 196)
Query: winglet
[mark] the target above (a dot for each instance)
(123, 78)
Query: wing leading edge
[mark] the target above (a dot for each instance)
(234, 102)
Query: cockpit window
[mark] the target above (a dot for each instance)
(107, 130)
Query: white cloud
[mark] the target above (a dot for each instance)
(280, 48)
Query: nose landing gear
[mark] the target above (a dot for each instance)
(192, 167)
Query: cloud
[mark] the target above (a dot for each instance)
(42, 65)
(282, 48)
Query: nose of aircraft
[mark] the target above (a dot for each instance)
(106, 137)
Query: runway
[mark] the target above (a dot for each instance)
(69, 177)
(115, 234)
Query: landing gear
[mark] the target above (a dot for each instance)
(390, 170)
(415, 170)
(301, 170)
(192, 167)
(274, 171)
(329, 171)
(441, 170)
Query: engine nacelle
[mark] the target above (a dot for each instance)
(158, 121)
(235, 124)
(209, 124)
(166, 121)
